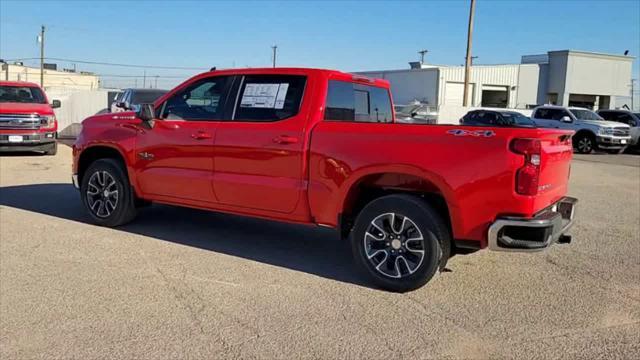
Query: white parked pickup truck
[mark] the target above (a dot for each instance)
(592, 131)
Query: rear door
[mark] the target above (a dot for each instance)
(174, 158)
(259, 154)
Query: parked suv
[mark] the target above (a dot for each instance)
(483, 117)
(130, 99)
(626, 117)
(27, 121)
(592, 131)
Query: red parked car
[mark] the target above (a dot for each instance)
(27, 121)
(321, 147)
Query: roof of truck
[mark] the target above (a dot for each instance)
(18, 83)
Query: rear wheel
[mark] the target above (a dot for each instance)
(584, 143)
(400, 241)
(107, 195)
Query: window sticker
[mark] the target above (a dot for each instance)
(270, 96)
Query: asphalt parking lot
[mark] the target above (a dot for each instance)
(181, 283)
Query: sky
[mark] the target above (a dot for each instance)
(348, 36)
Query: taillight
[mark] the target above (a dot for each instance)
(528, 176)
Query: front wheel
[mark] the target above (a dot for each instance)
(400, 242)
(584, 143)
(106, 193)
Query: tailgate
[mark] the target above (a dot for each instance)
(555, 166)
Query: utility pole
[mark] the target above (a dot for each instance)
(144, 79)
(42, 56)
(467, 62)
(422, 53)
(156, 82)
(275, 54)
(632, 94)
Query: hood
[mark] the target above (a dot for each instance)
(603, 123)
(25, 108)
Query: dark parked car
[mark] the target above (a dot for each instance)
(496, 118)
(626, 117)
(130, 99)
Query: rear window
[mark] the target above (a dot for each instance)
(270, 97)
(348, 101)
(21, 94)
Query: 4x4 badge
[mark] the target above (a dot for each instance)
(474, 133)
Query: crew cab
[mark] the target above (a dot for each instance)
(592, 131)
(322, 147)
(27, 121)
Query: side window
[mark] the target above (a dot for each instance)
(203, 100)
(607, 115)
(543, 114)
(624, 118)
(269, 97)
(348, 101)
(560, 114)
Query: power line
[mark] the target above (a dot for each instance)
(115, 64)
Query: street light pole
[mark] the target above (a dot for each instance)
(275, 53)
(467, 62)
(42, 56)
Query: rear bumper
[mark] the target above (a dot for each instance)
(535, 234)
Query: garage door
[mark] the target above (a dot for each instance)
(453, 93)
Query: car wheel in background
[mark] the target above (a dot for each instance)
(52, 149)
(106, 193)
(400, 242)
(584, 143)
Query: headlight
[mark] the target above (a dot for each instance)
(605, 131)
(47, 121)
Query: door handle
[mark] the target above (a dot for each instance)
(201, 135)
(285, 139)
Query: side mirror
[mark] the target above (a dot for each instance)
(55, 104)
(566, 119)
(414, 113)
(146, 112)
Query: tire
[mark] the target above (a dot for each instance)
(395, 263)
(584, 143)
(118, 208)
(52, 149)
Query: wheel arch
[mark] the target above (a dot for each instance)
(96, 152)
(372, 185)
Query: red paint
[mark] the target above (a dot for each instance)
(305, 169)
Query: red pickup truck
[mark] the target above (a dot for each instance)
(321, 147)
(27, 121)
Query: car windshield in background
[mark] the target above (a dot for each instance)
(21, 94)
(585, 114)
(146, 97)
(517, 119)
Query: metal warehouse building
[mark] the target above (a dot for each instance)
(566, 77)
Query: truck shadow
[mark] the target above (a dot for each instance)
(308, 249)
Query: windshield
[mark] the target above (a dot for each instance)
(517, 119)
(585, 114)
(21, 94)
(146, 97)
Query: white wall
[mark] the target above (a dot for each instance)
(411, 84)
(52, 78)
(76, 106)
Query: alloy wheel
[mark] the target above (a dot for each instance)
(102, 194)
(585, 145)
(394, 245)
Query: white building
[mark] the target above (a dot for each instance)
(53, 79)
(567, 77)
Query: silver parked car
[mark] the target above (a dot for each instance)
(130, 99)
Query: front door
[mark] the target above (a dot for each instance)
(258, 155)
(174, 158)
